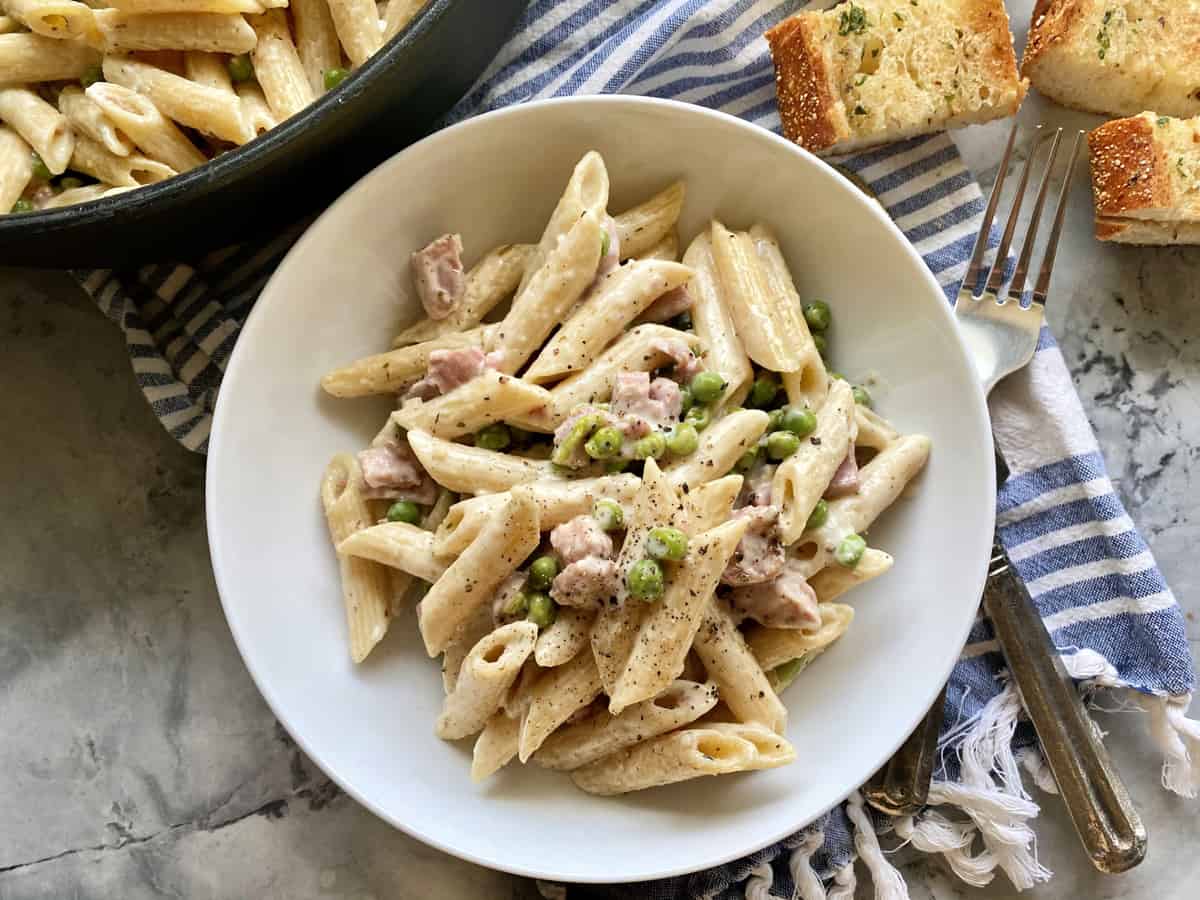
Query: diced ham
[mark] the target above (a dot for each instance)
(659, 402)
(787, 601)
(508, 589)
(687, 364)
(759, 555)
(580, 538)
(756, 489)
(592, 581)
(438, 276)
(392, 472)
(668, 306)
(447, 370)
(845, 479)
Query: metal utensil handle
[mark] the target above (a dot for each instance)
(901, 787)
(1108, 825)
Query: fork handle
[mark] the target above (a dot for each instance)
(1104, 817)
(901, 787)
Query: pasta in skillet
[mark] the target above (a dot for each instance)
(631, 502)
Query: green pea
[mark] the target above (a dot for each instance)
(493, 437)
(241, 69)
(90, 76)
(850, 551)
(69, 182)
(774, 418)
(747, 461)
(683, 439)
(683, 321)
(22, 206)
(605, 243)
(707, 387)
(819, 516)
(837, 376)
(579, 433)
(782, 444)
(518, 605)
(542, 611)
(699, 417)
(686, 400)
(541, 572)
(800, 422)
(616, 466)
(40, 169)
(652, 446)
(763, 392)
(604, 443)
(822, 345)
(609, 514)
(645, 580)
(861, 397)
(333, 77)
(404, 511)
(790, 669)
(666, 543)
(818, 315)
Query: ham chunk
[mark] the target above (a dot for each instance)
(580, 538)
(392, 472)
(687, 364)
(449, 369)
(787, 601)
(591, 581)
(438, 276)
(759, 555)
(657, 402)
(756, 489)
(845, 479)
(668, 306)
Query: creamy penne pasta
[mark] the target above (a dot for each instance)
(633, 502)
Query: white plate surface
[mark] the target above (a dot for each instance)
(343, 292)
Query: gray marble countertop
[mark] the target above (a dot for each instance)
(139, 761)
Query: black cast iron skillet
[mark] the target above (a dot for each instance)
(297, 167)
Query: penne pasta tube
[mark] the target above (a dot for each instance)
(603, 734)
(122, 32)
(469, 633)
(713, 322)
(809, 382)
(774, 647)
(714, 749)
(666, 249)
(874, 430)
(9, 25)
(82, 195)
(487, 398)
(611, 305)
(256, 113)
(643, 226)
(518, 699)
(833, 581)
(550, 293)
(712, 502)
(485, 677)
(366, 589)
(489, 282)
(358, 28)
(802, 478)
(388, 373)
(558, 501)
(397, 545)
(207, 109)
(186, 6)
(495, 747)
(316, 41)
(123, 171)
(879, 484)
(565, 637)
(399, 14)
(721, 446)
(16, 167)
(208, 69)
(668, 628)
(766, 323)
(28, 58)
(739, 676)
(153, 133)
(472, 578)
(466, 469)
(52, 18)
(586, 192)
(42, 126)
(277, 65)
(85, 117)
(554, 698)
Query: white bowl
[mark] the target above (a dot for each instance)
(342, 293)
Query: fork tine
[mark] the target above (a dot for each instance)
(1022, 270)
(996, 276)
(985, 228)
(1043, 281)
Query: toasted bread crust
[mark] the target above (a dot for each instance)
(1129, 168)
(987, 17)
(808, 108)
(1052, 23)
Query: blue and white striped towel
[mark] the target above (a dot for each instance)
(1090, 572)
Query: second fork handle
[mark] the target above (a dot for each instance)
(1104, 817)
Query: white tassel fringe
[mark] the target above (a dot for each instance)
(804, 877)
(889, 884)
(844, 883)
(759, 885)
